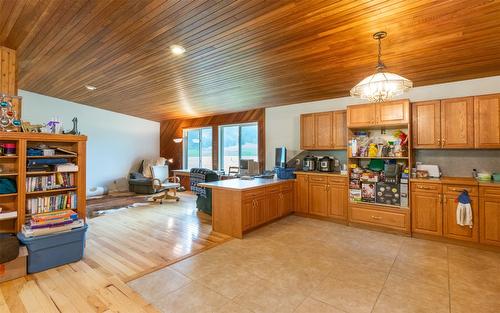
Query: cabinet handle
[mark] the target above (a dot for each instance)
(444, 199)
(440, 198)
(423, 187)
(376, 217)
(439, 140)
(460, 190)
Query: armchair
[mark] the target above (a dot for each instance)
(161, 181)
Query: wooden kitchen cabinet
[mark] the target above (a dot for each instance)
(318, 198)
(273, 205)
(457, 123)
(340, 129)
(361, 115)
(487, 122)
(307, 132)
(262, 214)
(337, 200)
(323, 133)
(450, 227)
(248, 214)
(489, 215)
(427, 212)
(393, 112)
(426, 124)
(302, 205)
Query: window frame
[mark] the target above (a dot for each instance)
(200, 149)
(220, 149)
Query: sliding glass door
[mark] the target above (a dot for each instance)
(237, 142)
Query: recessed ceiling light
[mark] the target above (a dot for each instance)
(90, 87)
(177, 50)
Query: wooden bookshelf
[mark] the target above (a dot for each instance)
(15, 168)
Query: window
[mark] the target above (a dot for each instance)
(197, 148)
(238, 142)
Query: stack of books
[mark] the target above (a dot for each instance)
(50, 182)
(66, 167)
(53, 222)
(51, 203)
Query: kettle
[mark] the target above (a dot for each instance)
(309, 163)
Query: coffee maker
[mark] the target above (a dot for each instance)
(309, 163)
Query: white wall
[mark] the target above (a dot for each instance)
(283, 122)
(116, 142)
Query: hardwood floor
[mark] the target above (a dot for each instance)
(121, 246)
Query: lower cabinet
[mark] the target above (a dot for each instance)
(489, 215)
(427, 213)
(248, 214)
(451, 229)
(318, 198)
(381, 216)
(322, 195)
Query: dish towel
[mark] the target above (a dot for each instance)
(464, 210)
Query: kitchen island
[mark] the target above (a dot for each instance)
(239, 206)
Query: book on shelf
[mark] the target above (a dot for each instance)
(63, 150)
(51, 203)
(66, 167)
(5, 215)
(50, 182)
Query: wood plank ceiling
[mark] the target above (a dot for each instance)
(240, 54)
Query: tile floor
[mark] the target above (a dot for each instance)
(309, 266)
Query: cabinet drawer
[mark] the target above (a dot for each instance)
(456, 189)
(317, 178)
(490, 191)
(254, 193)
(378, 217)
(425, 187)
(286, 186)
(337, 180)
(273, 189)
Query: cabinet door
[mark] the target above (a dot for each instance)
(427, 213)
(487, 121)
(340, 130)
(323, 123)
(457, 123)
(248, 214)
(307, 131)
(451, 228)
(262, 214)
(318, 198)
(489, 211)
(274, 204)
(302, 194)
(393, 112)
(361, 115)
(426, 125)
(337, 197)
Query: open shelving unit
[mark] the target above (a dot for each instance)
(375, 214)
(15, 168)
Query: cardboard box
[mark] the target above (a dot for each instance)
(15, 268)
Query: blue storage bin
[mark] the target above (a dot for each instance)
(55, 249)
(285, 172)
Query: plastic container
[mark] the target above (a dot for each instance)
(55, 249)
(285, 173)
(9, 149)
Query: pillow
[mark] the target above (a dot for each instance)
(146, 170)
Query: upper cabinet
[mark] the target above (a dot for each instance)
(487, 121)
(427, 124)
(323, 131)
(323, 124)
(340, 129)
(390, 113)
(393, 112)
(457, 123)
(307, 131)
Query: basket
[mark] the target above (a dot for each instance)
(285, 173)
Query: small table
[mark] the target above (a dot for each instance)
(183, 178)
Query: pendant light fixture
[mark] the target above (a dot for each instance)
(382, 85)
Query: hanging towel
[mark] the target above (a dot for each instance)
(464, 210)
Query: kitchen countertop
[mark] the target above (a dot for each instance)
(320, 173)
(240, 184)
(456, 181)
